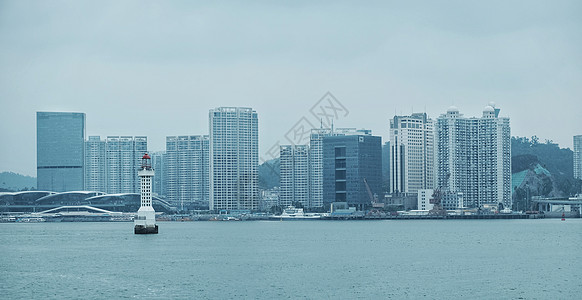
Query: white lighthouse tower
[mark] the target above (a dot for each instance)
(146, 216)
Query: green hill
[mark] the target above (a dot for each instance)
(542, 169)
(10, 181)
(269, 174)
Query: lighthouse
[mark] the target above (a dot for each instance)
(145, 222)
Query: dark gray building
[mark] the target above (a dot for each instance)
(386, 166)
(60, 138)
(348, 161)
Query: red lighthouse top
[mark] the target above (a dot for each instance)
(145, 162)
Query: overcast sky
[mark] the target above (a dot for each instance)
(155, 68)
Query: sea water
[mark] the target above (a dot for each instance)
(430, 259)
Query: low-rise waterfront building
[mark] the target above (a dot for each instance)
(424, 199)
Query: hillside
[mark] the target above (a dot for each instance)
(269, 174)
(559, 161)
(10, 181)
(541, 169)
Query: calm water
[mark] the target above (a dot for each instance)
(530, 259)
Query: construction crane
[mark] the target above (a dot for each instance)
(435, 200)
(373, 197)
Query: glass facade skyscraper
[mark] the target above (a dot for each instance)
(348, 161)
(316, 159)
(234, 159)
(60, 138)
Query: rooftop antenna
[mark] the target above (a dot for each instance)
(331, 126)
(320, 123)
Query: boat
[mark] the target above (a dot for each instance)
(30, 220)
(294, 213)
(7, 219)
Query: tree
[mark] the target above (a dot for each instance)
(535, 140)
(298, 204)
(276, 210)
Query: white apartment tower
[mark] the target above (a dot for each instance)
(95, 165)
(294, 162)
(412, 160)
(234, 159)
(474, 156)
(186, 170)
(578, 156)
(123, 157)
(316, 166)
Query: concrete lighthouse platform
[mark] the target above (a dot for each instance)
(140, 229)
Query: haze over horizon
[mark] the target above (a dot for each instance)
(156, 68)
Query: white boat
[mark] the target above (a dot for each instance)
(293, 213)
(31, 220)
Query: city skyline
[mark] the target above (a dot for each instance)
(381, 60)
(265, 156)
(298, 149)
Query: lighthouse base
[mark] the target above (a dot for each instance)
(141, 229)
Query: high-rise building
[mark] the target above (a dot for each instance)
(578, 156)
(412, 161)
(474, 157)
(294, 187)
(159, 181)
(95, 165)
(316, 165)
(234, 159)
(60, 138)
(123, 157)
(351, 165)
(386, 166)
(316, 159)
(186, 166)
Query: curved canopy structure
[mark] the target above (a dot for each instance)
(43, 200)
(131, 201)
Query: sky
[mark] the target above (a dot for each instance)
(156, 68)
